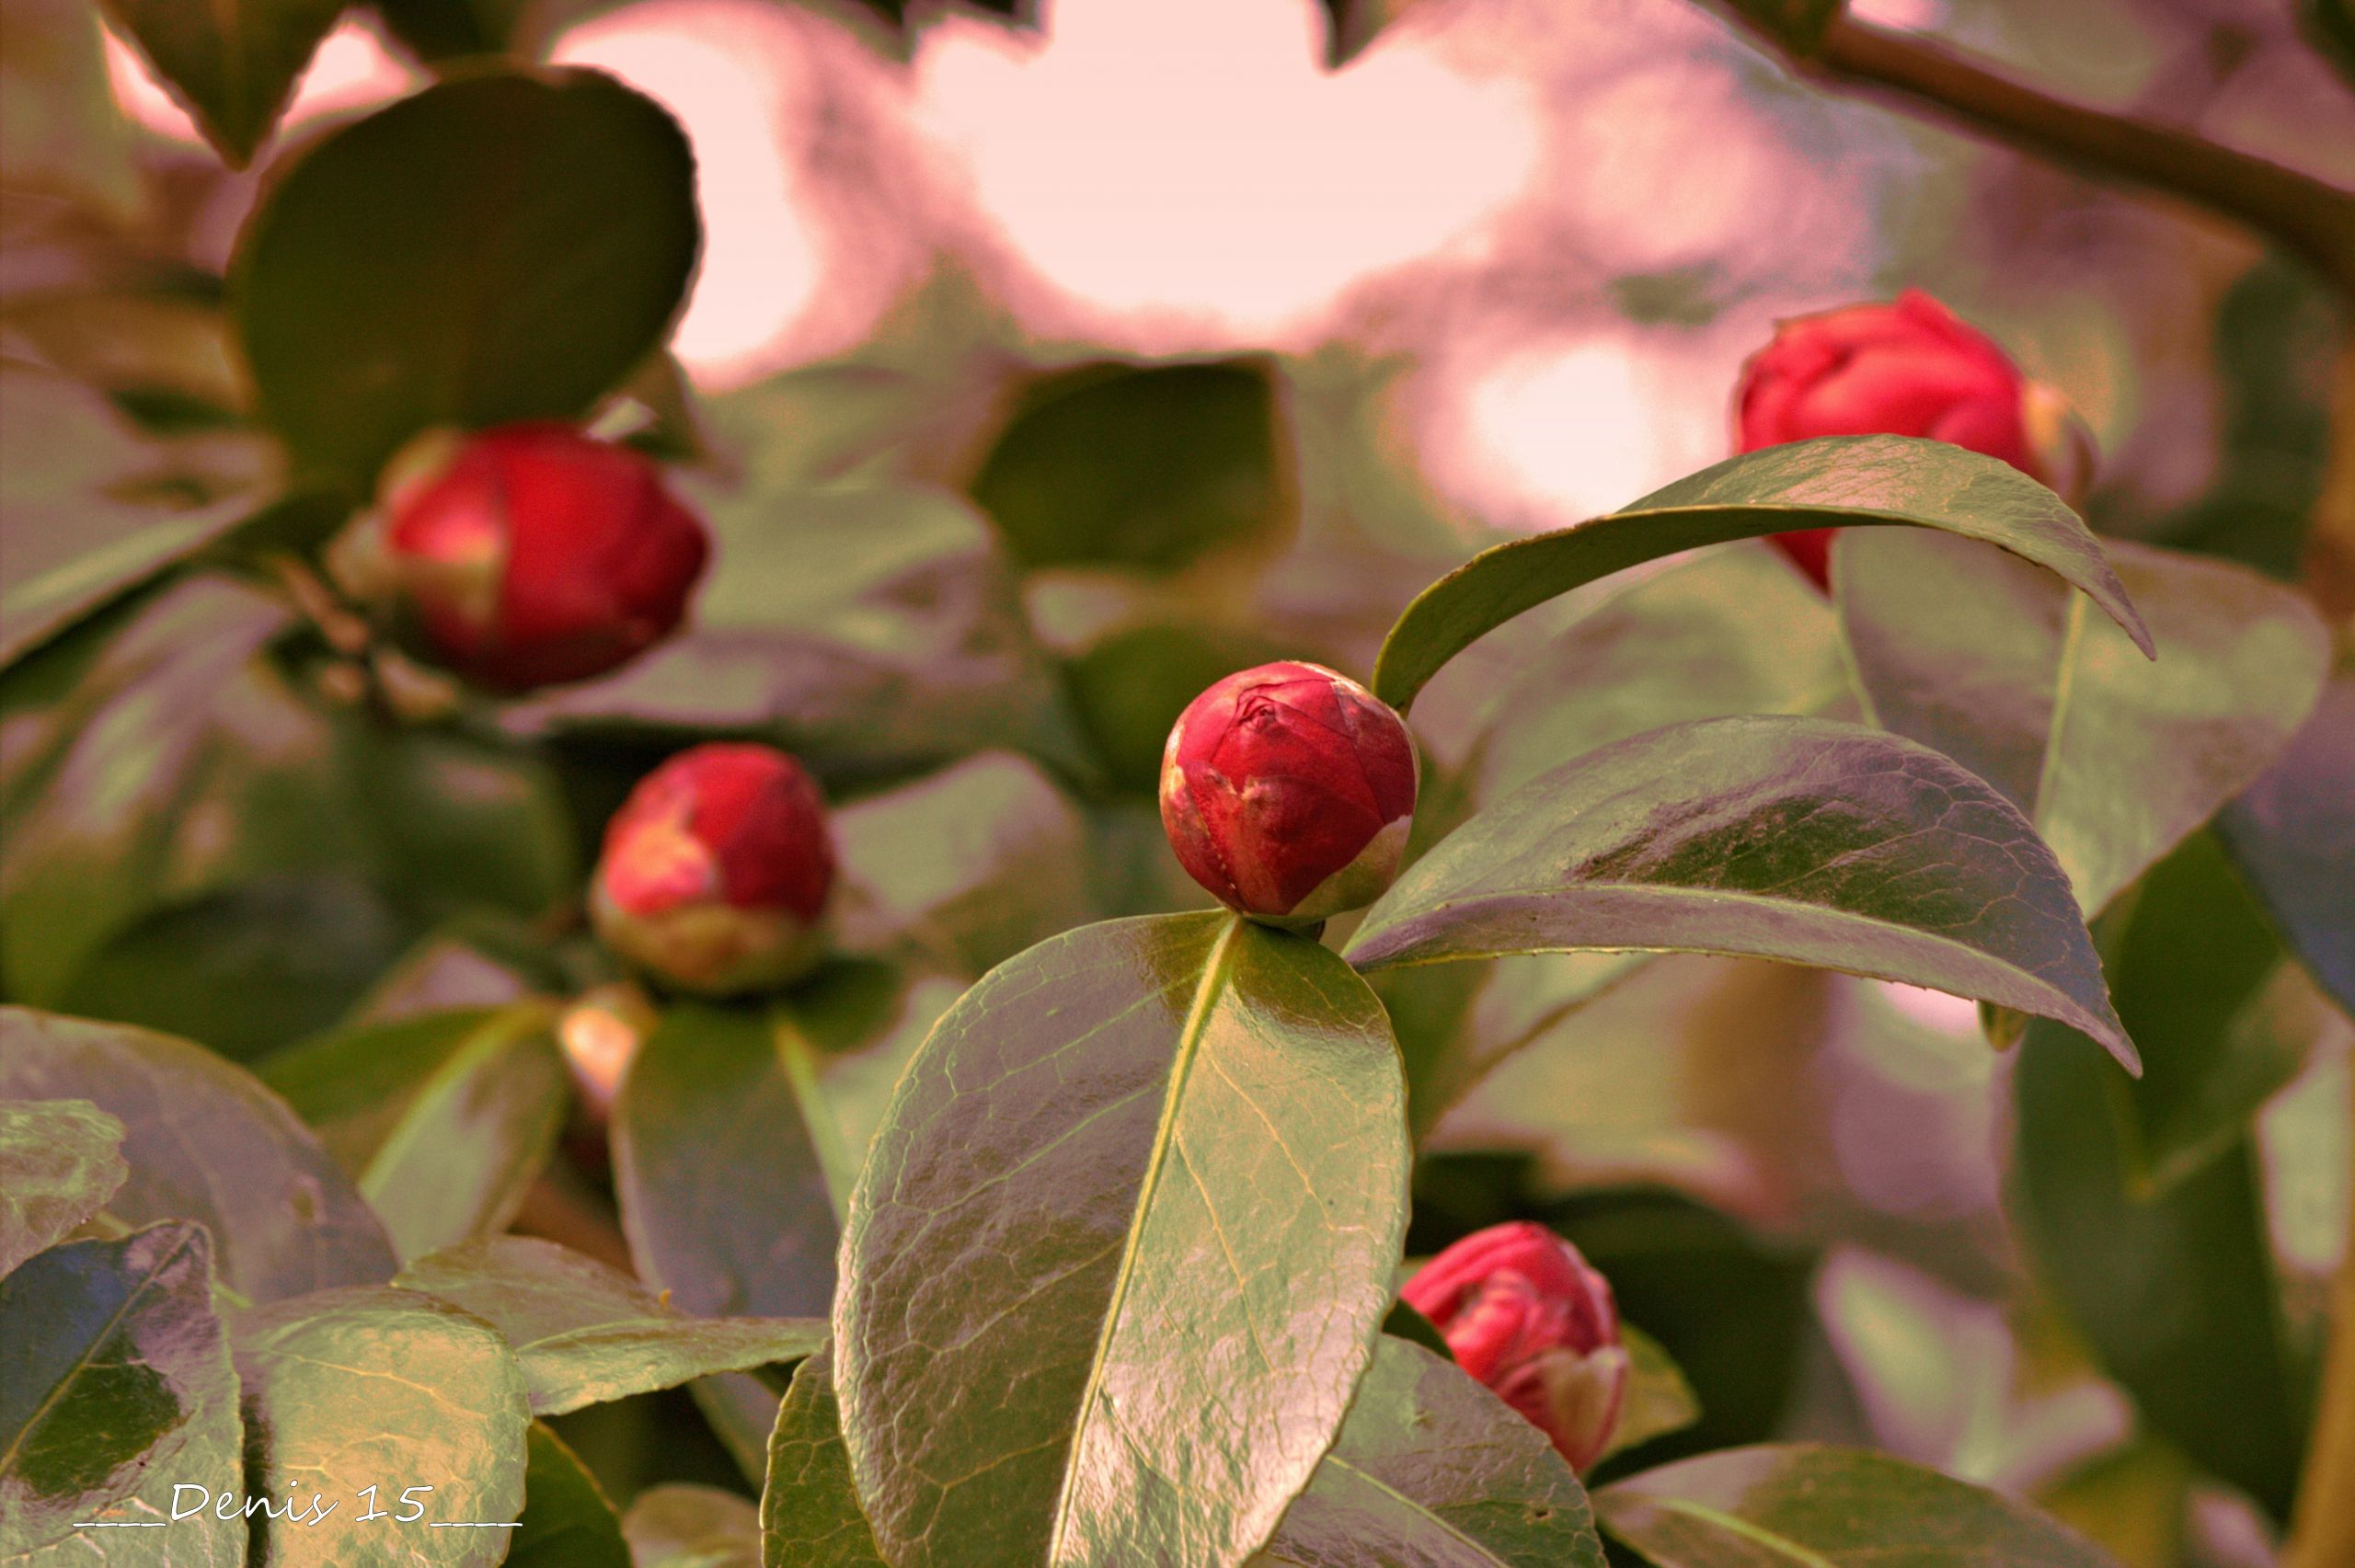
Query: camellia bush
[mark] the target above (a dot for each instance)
(871, 969)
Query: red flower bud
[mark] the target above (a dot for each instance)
(1908, 369)
(1287, 790)
(537, 556)
(716, 870)
(1529, 1317)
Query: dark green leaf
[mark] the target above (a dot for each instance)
(2115, 758)
(1130, 686)
(395, 278)
(586, 1333)
(1794, 839)
(567, 1522)
(346, 1389)
(2292, 833)
(232, 63)
(683, 1525)
(1818, 1507)
(722, 1149)
(1658, 1401)
(442, 1120)
(2331, 24)
(205, 1141)
(114, 1377)
(438, 30)
(1181, 1139)
(1844, 482)
(810, 1511)
(1432, 1469)
(1795, 25)
(60, 1161)
(1402, 1321)
(458, 825)
(245, 969)
(1155, 466)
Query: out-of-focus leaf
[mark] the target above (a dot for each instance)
(1794, 839)
(456, 824)
(680, 1524)
(60, 1161)
(232, 65)
(586, 1333)
(810, 1511)
(395, 278)
(1154, 466)
(2131, 1502)
(37, 610)
(205, 1141)
(346, 1389)
(1795, 25)
(114, 1375)
(2293, 834)
(567, 1521)
(444, 972)
(1658, 1401)
(1130, 687)
(61, 133)
(1841, 481)
(1828, 1508)
(438, 30)
(879, 628)
(722, 1147)
(968, 866)
(442, 1120)
(162, 355)
(1183, 1136)
(2114, 756)
(1432, 1468)
(2331, 24)
(245, 969)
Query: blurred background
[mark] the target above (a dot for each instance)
(1494, 271)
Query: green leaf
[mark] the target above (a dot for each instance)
(1182, 1140)
(438, 30)
(1402, 1321)
(346, 1389)
(1843, 482)
(1128, 687)
(232, 65)
(60, 1161)
(245, 969)
(587, 1333)
(2114, 757)
(1152, 467)
(205, 1141)
(721, 1151)
(2171, 1285)
(810, 1511)
(2292, 835)
(680, 1524)
(37, 609)
(1821, 1507)
(458, 825)
(1794, 839)
(1432, 1468)
(114, 1376)
(394, 279)
(567, 1521)
(1658, 1401)
(61, 133)
(442, 1120)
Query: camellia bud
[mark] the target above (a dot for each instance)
(1911, 367)
(1288, 791)
(534, 554)
(1525, 1314)
(716, 870)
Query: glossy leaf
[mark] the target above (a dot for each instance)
(351, 1389)
(1431, 1468)
(586, 1333)
(2114, 756)
(1178, 1142)
(205, 1141)
(394, 279)
(680, 1524)
(1843, 482)
(1792, 839)
(2293, 834)
(114, 1374)
(60, 1161)
(810, 1511)
(233, 64)
(442, 1120)
(1822, 1507)
(567, 1521)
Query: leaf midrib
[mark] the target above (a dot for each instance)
(82, 1363)
(1735, 1524)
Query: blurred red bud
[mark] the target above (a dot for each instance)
(715, 871)
(536, 556)
(1911, 367)
(1525, 1314)
(1288, 791)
